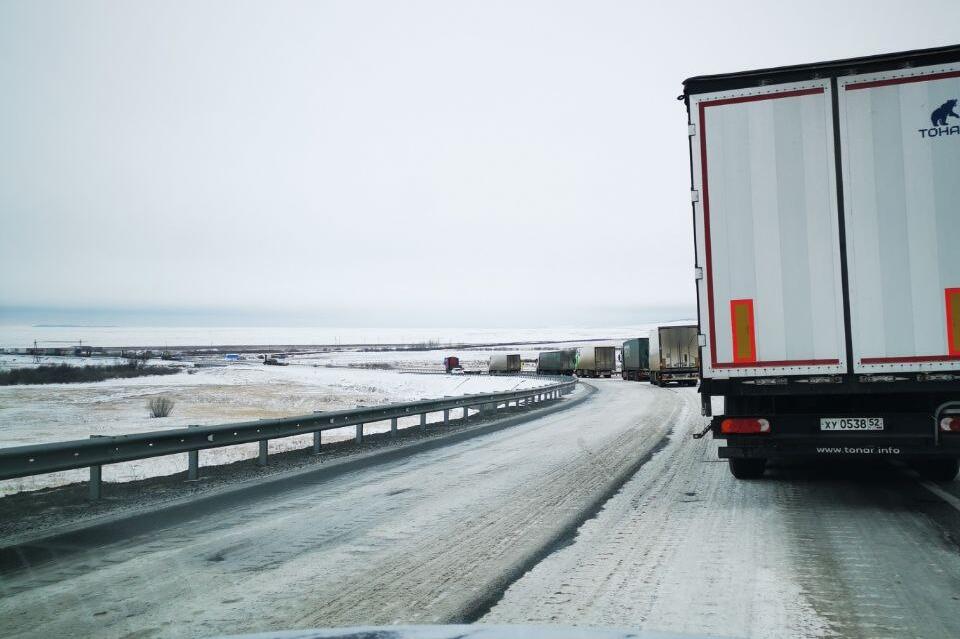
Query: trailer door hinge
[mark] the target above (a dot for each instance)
(698, 272)
(694, 196)
(701, 339)
(691, 130)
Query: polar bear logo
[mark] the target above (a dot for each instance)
(940, 114)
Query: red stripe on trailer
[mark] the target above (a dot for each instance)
(702, 106)
(783, 362)
(765, 96)
(911, 359)
(908, 80)
(706, 229)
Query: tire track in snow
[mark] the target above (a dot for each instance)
(681, 548)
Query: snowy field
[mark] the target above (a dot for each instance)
(33, 414)
(220, 392)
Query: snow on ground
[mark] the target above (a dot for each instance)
(32, 414)
(8, 361)
(217, 392)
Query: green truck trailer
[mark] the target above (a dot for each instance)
(636, 359)
(562, 362)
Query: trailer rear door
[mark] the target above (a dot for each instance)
(767, 226)
(900, 144)
(678, 347)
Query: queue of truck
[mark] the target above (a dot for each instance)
(670, 354)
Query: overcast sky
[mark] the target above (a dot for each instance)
(435, 163)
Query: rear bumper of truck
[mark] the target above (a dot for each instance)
(837, 449)
(905, 435)
(679, 375)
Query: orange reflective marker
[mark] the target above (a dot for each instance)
(952, 298)
(744, 336)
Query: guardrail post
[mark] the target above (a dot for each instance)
(95, 475)
(393, 427)
(446, 416)
(193, 462)
(359, 433)
(262, 458)
(316, 442)
(465, 413)
(423, 421)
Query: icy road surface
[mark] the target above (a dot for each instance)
(808, 551)
(489, 528)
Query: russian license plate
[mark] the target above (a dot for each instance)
(851, 423)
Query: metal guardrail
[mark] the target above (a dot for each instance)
(93, 453)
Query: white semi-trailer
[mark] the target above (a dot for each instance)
(504, 363)
(826, 206)
(674, 355)
(596, 361)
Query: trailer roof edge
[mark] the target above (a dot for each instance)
(800, 72)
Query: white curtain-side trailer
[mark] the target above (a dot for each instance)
(826, 207)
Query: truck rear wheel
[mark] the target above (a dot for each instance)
(940, 469)
(747, 468)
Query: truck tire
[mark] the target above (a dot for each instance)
(747, 468)
(940, 469)
(653, 379)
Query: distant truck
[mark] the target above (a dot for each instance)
(452, 364)
(504, 364)
(674, 355)
(557, 362)
(828, 281)
(596, 361)
(636, 359)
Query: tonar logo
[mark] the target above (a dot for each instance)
(939, 120)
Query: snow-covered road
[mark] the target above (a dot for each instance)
(490, 528)
(861, 551)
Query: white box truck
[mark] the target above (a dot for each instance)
(674, 355)
(826, 207)
(596, 361)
